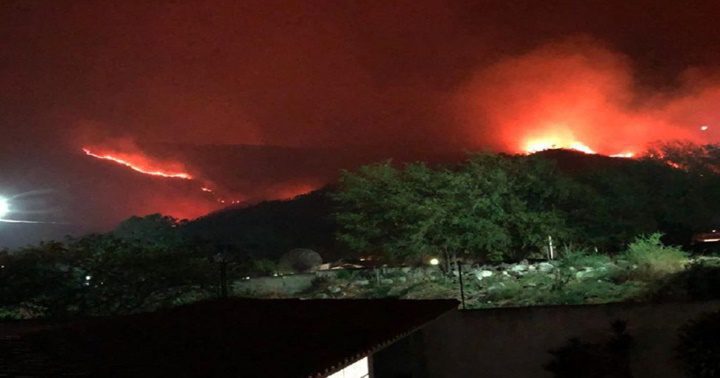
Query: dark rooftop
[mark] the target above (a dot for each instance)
(234, 337)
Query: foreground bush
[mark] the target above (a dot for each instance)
(610, 358)
(699, 282)
(652, 259)
(300, 260)
(699, 348)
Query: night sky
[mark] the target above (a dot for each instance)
(324, 85)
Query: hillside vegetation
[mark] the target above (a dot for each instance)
(576, 277)
(493, 214)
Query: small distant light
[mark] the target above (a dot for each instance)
(88, 278)
(704, 128)
(434, 261)
(275, 274)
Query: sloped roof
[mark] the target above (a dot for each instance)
(234, 337)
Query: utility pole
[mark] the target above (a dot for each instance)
(551, 251)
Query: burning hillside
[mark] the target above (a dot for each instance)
(254, 180)
(142, 164)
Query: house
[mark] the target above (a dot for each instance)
(232, 337)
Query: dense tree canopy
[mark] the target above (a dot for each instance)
(492, 207)
(503, 207)
(155, 229)
(142, 265)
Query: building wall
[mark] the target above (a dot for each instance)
(515, 342)
(403, 359)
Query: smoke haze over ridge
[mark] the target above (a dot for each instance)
(371, 79)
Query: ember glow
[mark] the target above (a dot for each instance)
(140, 164)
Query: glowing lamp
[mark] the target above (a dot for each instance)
(434, 261)
(4, 207)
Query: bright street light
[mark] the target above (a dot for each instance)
(4, 207)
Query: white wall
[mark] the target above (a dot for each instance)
(358, 369)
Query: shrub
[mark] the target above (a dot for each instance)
(430, 290)
(653, 259)
(300, 260)
(319, 283)
(594, 291)
(583, 265)
(509, 290)
(701, 281)
(699, 348)
(582, 258)
(345, 274)
(265, 267)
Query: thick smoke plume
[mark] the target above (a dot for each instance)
(579, 92)
(316, 86)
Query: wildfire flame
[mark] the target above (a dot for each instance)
(565, 141)
(139, 162)
(538, 145)
(626, 155)
(145, 167)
